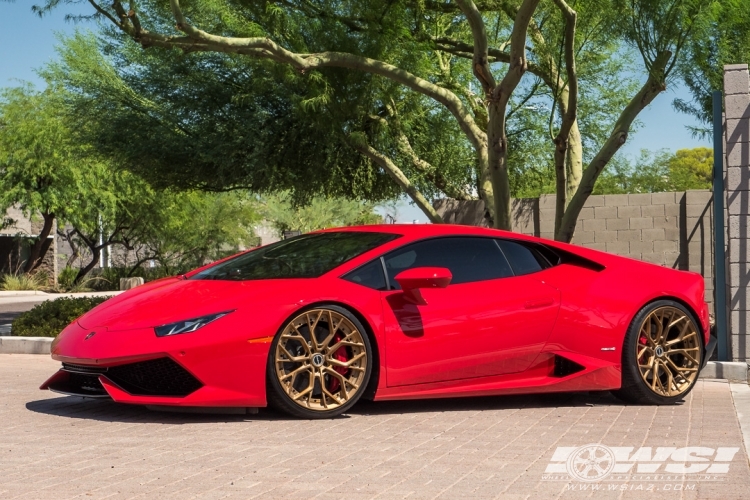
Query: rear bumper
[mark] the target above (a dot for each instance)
(709, 350)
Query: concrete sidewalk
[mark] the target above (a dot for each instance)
(59, 447)
(20, 297)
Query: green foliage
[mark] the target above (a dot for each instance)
(66, 277)
(226, 122)
(264, 121)
(661, 171)
(691, 169)
(721, 40)
(187, 229)
(320, 213)
(49, 318)
(38, 161)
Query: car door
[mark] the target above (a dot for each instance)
(489, 321)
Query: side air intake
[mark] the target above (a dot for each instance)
(565, 367)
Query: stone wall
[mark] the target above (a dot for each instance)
(737, 164)
(668, 229)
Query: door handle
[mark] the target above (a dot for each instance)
(536, 304)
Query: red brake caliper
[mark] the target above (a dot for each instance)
(340, 355)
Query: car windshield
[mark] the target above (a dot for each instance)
(306, 256)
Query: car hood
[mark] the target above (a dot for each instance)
(175, 299)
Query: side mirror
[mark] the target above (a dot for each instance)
(412, 280)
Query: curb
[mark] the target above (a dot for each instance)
(25, 345)
(21, 293)
(734, 371)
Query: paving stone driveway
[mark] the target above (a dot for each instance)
(64, 447)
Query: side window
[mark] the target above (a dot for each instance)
(469, 259)
(370, 275)
(523, 259)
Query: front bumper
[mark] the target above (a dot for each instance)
(211, 369)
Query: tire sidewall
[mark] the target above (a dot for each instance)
(632, 380)
(276, 395)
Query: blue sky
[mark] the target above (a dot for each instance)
(28, 43)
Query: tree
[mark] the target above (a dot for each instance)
(226, 123)
(659, 172)
(41, 169)
(122, 210)
(722, 40)
(319, 213)
(188, 229)
(691, 169)
(397, 41)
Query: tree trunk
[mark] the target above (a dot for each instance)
(575, 161)
(91, 265)
(484, 185)
(41, 245)
(498, 164)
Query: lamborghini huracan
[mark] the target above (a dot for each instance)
(311, 324)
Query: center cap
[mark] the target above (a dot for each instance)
(659, 351)
(317, 359)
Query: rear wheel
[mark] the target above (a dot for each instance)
(320, 363)
(662, 355)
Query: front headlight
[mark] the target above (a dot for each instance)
(188, 325)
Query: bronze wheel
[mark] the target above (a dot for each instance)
(320, 363)
(668, 351)
(662, 354)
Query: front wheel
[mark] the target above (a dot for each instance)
(319, 363)
(662, 355)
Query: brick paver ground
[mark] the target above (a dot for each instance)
(63, 447)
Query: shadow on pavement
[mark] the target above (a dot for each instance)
(109, 411)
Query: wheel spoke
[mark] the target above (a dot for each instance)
(294, 373)
(681, 339)
(297, 336)
(347, 364)
(331, 330)
(691, 354)
(293, 359)
(312, 327)
(643, 349)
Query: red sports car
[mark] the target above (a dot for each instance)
(313, 323)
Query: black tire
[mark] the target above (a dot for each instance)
(635, 389)
(280, 399)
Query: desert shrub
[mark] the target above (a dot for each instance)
(16, 282)
(66, 277)
(49, 318)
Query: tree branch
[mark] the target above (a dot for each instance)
(481, 65)
(404, 145)
(398, 176)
